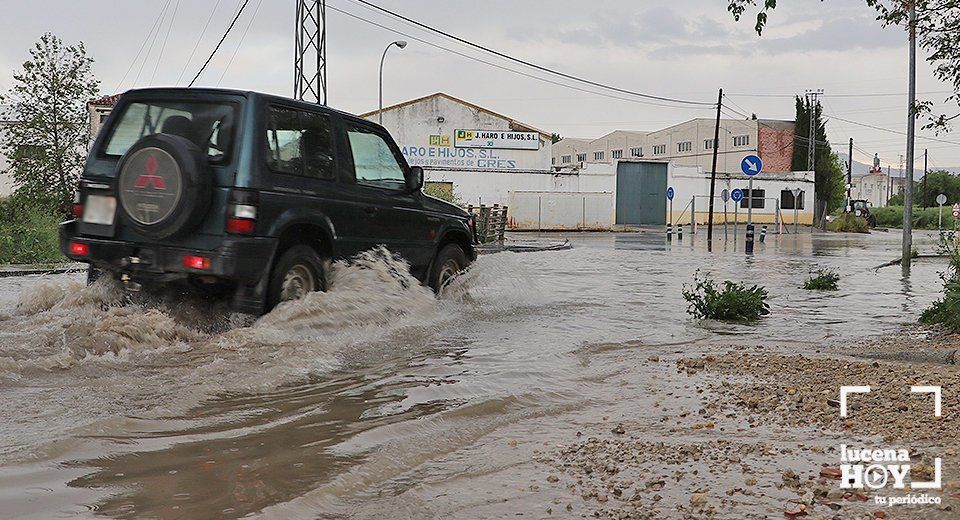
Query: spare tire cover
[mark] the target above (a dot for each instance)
(162, 185)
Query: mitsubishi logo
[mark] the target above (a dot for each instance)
(151, 177)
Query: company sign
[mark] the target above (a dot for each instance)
(496, 139)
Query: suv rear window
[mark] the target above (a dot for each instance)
(208, 125)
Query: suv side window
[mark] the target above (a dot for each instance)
(373, 160)
(298, 143)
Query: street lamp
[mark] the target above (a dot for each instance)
(401, 44)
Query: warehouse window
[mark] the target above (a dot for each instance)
(685, 146)
(616, 154)
(565, 159)
(787, 202)
(597, 156)
(553, 160)
(708, 144)
(581, 157)
(741, 140)
(659, 149)
(636, 152)
(758, 195)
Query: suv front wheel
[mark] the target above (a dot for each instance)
(298, 272)
(450, 261)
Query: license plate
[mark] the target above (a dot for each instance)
(99, 210)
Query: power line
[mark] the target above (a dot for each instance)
(529, 64)
(890, 131)
(508, 69)
(240, 43)
(163, 47)
(163, 16)
(877, 94)
(215, 49)
(199, 39)
(142, 45)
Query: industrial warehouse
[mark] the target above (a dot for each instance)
(612, 182)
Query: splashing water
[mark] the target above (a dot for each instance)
(84, 354)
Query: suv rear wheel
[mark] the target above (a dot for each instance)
(450, 261)
(299, 271)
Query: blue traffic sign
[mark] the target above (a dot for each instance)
(751, 165)
(736, 195)
(670, 193)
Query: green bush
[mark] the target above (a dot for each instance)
(892, 216)
(847, 223)
(28, 234)
(732, 302)
(946, 311)
(822, 280)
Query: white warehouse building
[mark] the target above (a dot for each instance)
(484, 157)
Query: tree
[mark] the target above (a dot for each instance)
(828, 174)
(555, 138)
(47, 144)
(938, 33)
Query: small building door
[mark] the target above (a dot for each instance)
(641, 193)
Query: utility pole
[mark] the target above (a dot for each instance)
(886, 201)
(713, 172)
(923, 188)
(850, 177)
(900, 174)
(907, 242)
(310, 52)
(813, 102)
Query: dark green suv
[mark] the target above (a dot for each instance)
(248, 194)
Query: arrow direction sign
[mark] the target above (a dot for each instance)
(751, 165)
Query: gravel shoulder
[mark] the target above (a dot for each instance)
(764, 439)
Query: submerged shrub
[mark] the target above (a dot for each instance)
(822, 280)
(946, 311)
(847, 223)
(730, 302)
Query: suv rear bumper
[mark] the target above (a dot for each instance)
(242, 259)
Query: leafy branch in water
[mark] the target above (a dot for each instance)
(729, 302)
(822, 280)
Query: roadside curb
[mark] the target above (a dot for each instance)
(529, 247)
(26, 270)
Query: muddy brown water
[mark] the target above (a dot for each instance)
(377, 399)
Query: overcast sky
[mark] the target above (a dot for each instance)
(682, 48)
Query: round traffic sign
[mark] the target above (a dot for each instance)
(670, 193)
(725, 195)
(941, 199)
(751, 165)
(736, 195)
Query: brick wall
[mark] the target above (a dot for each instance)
(776, 145)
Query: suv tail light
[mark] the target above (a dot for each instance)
(242, 211)
(196, 262)
(77, 209)
(79, 249)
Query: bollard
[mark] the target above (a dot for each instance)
(763, 233)
(749, 240)
(669, 232)
(680, 232)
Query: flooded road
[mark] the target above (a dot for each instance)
(376, 398)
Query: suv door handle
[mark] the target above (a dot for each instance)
(370, 210)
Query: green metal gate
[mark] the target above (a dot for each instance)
(641, 193)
